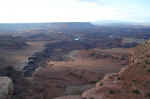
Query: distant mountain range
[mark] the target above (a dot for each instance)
(120, 23)
(55, 26)
(67, 27)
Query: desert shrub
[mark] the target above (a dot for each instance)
(101, 84)
(138, 63)
(148, 55)
(111, 92)
(92, 98)
(96, 81)
(147, 61)
(118, 78)
(134, 81)
(148, 70)
(148, 95)
(136, 91)
(144, 66)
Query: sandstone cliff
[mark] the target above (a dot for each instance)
(132, 82)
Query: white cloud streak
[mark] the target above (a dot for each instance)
(62, 10)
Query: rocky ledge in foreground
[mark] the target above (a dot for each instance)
(6, 88)
(132, 82)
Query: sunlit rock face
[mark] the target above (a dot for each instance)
(132, 82)
(6, 88)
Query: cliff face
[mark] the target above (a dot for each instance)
(132, 82)
(6, 88)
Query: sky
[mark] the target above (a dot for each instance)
(25, 11)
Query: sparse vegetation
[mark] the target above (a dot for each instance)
(92, 98)
(118, 78)
(148, 95)
(101, 84)
(147, 61)
(96, 81)
(136, 91)
(148, 55)
(138, 63)
(134, 81)
(148, 70)
(111, 92)
(144, 66)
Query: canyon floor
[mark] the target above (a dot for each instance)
(80, 70)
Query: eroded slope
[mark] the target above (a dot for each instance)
(131, 82)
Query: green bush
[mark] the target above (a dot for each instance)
(134, 81)
(96, 81)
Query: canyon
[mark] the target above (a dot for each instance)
(52, 61)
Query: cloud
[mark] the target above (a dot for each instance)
(98, 2)
(72, 10)
(89, 0)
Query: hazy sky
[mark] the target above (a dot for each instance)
(73, 10)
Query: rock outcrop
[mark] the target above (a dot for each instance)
(132, 82)
(6, 88)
